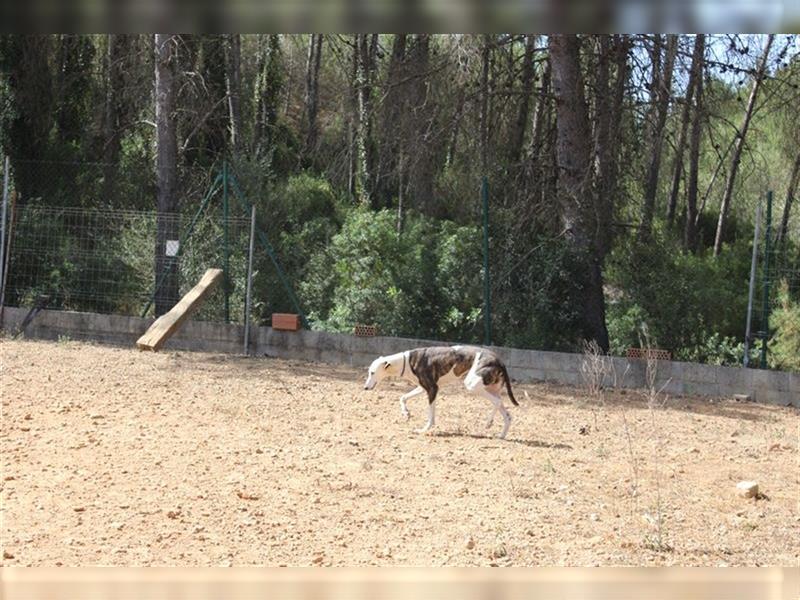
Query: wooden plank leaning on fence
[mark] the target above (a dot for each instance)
(167, 324)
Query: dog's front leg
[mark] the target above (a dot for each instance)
(403, 408)
(431, 410)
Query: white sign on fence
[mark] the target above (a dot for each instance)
(172, 247)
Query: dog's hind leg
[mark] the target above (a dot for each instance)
(474, 383)
(497, 401)
(415, 392)
(490, 421)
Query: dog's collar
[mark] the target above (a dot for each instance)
(404, 365)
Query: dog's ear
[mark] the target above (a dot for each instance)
(386, 365)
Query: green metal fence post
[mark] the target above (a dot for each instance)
(264, 241)
(183, 239)
(765, 302)
(487, 296)
(225, 249)
(748, 337)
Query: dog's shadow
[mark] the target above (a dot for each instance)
(529, 443)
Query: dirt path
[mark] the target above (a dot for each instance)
(115, 457)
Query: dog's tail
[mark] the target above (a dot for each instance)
(508, 386)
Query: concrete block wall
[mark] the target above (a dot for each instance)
(676, 378)
(120, 330)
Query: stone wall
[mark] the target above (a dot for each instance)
(524, 365)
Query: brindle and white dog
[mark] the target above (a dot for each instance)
(482, 371)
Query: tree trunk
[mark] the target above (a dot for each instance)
(74, 86)
(606, 149)
(116, 47)
(540, 155)
(391, 130)
(269, 81)
(783, 230)
(518, 133)
(690, 228)
(419, 172)
(258, 123)
(312, 92)
(739, 146)
(455, 127)
(484, 116)
(58, 81)
(661, 90)
(352, 120)
(400, 194)
(539, 114)
(697, 57)
(574, 145)
(711, 183)
(363, 133)
(601, 122)
(549, 175)
(166, 267)
(233, 77)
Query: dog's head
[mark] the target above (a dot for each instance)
(382, 367)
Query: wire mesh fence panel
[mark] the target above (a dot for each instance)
(82, 238)
(781, 259)
(785, 262)
(75, 243)
(208, 247)
(103, 260)
(778, 292)
(81, 259)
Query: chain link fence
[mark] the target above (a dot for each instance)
(77, 244)
(780, 285)
(70, 248)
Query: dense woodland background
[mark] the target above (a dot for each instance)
(624, 172)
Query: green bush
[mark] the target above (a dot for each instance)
(419, 283)
(694, 306)
(624, 320)
(714, 349)
(458, 276)
(533, 291)
(381, 277)
(303, 198)
(784, 346)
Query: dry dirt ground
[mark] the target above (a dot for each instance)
(115, 457)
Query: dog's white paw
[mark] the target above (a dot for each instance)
(406, 415)
(424, 431)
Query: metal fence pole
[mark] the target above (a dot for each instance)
(225, 249)
(10, 236)
(247, 303)
(765, 304)
(264, 241)
(3, 235)
(487, 296)
(752, 289)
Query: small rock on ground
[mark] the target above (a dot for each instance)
(748, 489)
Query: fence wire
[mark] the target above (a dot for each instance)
(97, 258)
(782, 271)
(74, 243)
